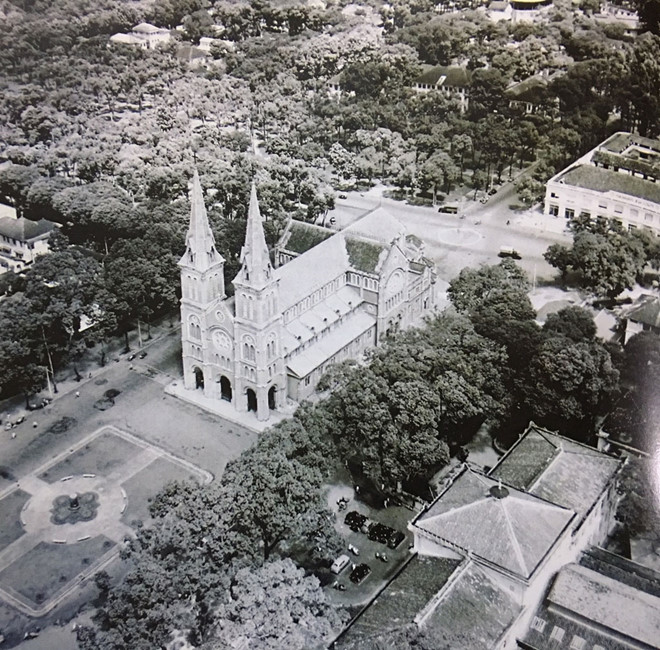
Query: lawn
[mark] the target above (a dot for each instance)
(143, 486)
(101, 455)
(10, 516)
(44, 570)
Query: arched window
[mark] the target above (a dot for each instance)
(246, 351)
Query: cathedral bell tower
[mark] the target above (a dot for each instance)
(259, 365)
(202, 283)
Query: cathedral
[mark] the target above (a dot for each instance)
(325, 297)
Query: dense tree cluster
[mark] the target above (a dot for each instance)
(604, 258)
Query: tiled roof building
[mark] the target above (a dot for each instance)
(332, 296)
(22, 240)
(499, 540)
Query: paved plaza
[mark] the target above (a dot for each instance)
(108, 463)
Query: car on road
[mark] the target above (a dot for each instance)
(448, 209)
(354, 520)
(509, 251)
(342, 196)
(142, 355)
(131, 357)
(359, 573)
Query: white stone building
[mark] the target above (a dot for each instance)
(21, 241)
(619, 179)
(334, 296)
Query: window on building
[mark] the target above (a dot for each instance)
(554, 195)
(577, 643)
(538, 624)
(618, 208)
(585, 215)
(634, 212)
(557, 633)
(307, 380)
(569, 213)
(648, 217)
(631, 227)
(553, 210)
(602, 205)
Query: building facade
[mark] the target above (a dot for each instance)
(619, 180)
(22, 241)
(333, 296)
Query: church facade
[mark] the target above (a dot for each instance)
(330, 297)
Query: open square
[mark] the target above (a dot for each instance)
(52, 538)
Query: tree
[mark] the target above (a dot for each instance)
(473, 286)
(574, 322)
(273, 606)
(637, 509)
(649, 15)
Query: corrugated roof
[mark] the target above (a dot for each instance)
(23, 229)
(521, 527)
(605, 180)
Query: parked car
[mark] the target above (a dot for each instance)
(359, 573)
(354, 520)
(395, 539)
(380, 533)
(368, 523)
(131, 357)
(142, 355)
(343, 196)
(448, 209)
(340, 564)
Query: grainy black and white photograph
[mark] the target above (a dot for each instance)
(330, 324)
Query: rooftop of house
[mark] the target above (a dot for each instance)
(445, 75)
(621, 140)
(533, 90)
(396, 607)
(377, 225)
(522, 528)
(598, 609)
(645, 310)
(557, 469)
(605, 180)
(148, 28)
(23, 229)
(474, 613)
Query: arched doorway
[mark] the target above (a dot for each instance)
(199, 378)
(251, 400)
(225, 388)
(271, 398)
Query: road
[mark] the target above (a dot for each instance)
(472, 237)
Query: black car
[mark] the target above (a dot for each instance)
(359, 573)
(142, 355)
(354, 520)
(380, 533)
(395, 539)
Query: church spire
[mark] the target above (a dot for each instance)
(256, 269)
(201, 252)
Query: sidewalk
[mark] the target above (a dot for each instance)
(88, 367)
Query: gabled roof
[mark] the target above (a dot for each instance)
(446, 75)
(598, 609)
(474, 613)
(532, 90)
(557, 469)
(299, 236)
(645, 310)
(148, 28)
(23, 229)
(397, 606)
(522, 528)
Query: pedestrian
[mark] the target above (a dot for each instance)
(13, 434)
(77, 393)
(34, 425)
